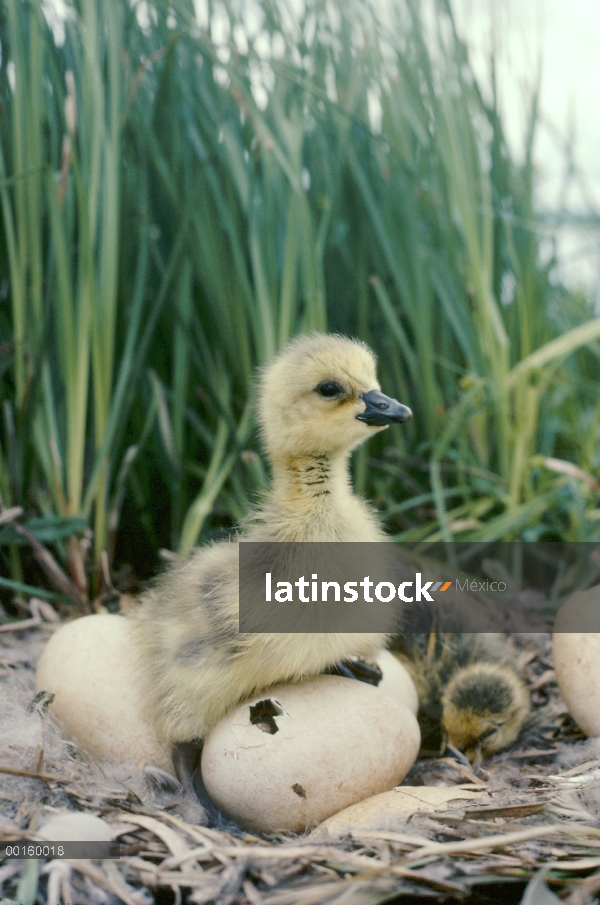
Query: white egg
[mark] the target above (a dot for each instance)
(397, 681)
(294, 755)
(90, 666)
(576, 648)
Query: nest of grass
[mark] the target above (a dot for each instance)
(531, 835)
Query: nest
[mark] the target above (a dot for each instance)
(534, 822)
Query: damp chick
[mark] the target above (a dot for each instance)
(470, 692)
(317, 400)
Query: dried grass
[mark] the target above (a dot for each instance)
(541, 814)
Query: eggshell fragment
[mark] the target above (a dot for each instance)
(296, 754)
(386, 811)
(397, 681)
(90, 666)
(74, 826)
(577, 657)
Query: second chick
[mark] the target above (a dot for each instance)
(470, 692)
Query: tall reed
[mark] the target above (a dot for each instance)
(181, 195)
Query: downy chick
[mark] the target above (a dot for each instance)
(470, 693)
(317, 400)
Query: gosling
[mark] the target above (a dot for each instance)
(470, 692)
(317, 401)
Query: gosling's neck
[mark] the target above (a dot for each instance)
(311, 480)
(311, 499)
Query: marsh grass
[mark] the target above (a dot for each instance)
(175, 209)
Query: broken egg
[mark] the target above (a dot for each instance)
(289, 758)
(75, 826)
(89, 665)
(397, 681)
(576, 649)
(390, 810)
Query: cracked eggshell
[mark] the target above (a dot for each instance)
(90, 666)
(74, 826)
(337, 741)
(397, 680)
(576, 649)
(390, 810)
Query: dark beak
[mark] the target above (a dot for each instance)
(383, 410)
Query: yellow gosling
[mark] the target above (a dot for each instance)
(317, 401)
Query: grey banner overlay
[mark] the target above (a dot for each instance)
(392, 587)
(26, 849)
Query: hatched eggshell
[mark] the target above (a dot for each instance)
(576, 648)
(75, 826)
(337, 741)
(90, 666)
(397, 680)
(386, 811)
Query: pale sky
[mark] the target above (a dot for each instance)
(565, 36)
(562, 35)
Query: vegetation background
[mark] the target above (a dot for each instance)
(182, 190)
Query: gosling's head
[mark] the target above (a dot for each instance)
(485, 706)
(320, 396)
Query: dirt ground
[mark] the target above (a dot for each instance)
(531, 835)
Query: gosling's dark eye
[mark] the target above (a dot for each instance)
(329, 389)
(487, 734)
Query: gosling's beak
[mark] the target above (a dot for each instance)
(383, 410)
